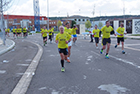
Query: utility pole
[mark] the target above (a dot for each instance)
(124, 10)
(48, 14)
(2, 23)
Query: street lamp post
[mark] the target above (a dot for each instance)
(48, 14)
(2, 24)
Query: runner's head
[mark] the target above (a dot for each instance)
(107, 23)
(50, 27)
(122, 24)
(44, 27)
(67, 25)
(61, 28)
(96, 26)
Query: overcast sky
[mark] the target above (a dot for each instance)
(63, 7)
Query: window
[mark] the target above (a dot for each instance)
(54, 22)
(83, 19)
(79, 19)
(75, 19)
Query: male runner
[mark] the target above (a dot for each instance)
(74, 33)
(68, 30)
(106, 38)
(24, 32)
(7, 31)
(44, 35)
(63, 39)
(50, 31)
(120, 36)
(14, 32)
(96, 32)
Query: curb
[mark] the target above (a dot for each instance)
(8, 49)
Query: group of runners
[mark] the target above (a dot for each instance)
(67, 35)
(17, 32)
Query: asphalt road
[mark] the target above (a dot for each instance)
(89, 72)
(14, 63)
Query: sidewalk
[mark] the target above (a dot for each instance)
(5, 48)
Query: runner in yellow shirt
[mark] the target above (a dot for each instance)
(96, 32)
(14, 32)
(24, 32)
(44, 35)
(63, 39)
(106, 30)
(120, 36)
(68, 30)
(19, 31)
(50, 31)
(74, 33)
(7, 31)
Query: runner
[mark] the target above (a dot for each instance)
(7, 31)
(19, 31)
(74, 33)
(50, 31)
(106, 38)
(24, 32)
(120, 36)
(44, 35)
(68, 30)
(96, 32)
(91, 35)
(14, 32)
(63, 39)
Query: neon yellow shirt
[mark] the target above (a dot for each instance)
(106, 31)
(19, 30)
(14, 30)
(50, 31)
(97, 31)
(44, 32)
(7, 30)
(62, 38)
(69, 31)
(24, 30)
(120, 31)
(74, 31)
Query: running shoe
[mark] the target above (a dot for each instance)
(45, 42)
(68, 60)
(63, 69)
(107, 57)
(101, 51)
(115, 46)
(123, 52)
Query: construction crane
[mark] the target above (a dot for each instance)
(36, 15)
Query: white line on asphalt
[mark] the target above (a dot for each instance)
(24, 65)
(125, 61)
(24, 82)
(122, 60)
(95, 53)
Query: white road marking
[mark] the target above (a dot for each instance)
(28, 60)
(42, 88)
(122, 60)
(95, 53)
(2, 71)
(24, 82)
(24, 65)
(113, 89)
(125, 61)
